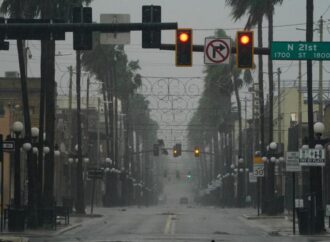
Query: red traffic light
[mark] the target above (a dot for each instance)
(244, 39)
(197, 151)
(184, 37)
(244, 49)
(183, 47)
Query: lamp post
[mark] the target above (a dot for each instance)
(17, 128)
(240, 182)
(316, 184)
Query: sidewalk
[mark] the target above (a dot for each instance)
(281, 225)
(75, 222)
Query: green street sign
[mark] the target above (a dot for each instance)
(300, 50)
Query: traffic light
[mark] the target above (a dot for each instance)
(183, 47)
(189, 175)
(82, 40)
(197, 151)
(175, 151)
(179, 149)
(156, 150)
(244, 49)
(151, 38)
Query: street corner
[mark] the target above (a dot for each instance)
(13, 239)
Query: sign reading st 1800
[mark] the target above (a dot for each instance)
(300, 51)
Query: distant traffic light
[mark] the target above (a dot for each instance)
(156, 150)
(183, 47)
(197, 151)
(189, 175)
(179, 149)
(244, 49)
(175, 151)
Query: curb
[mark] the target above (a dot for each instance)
(62, 231)
(13, 239)
(255, 217)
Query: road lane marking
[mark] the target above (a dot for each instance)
(173, 224)
(168, 224)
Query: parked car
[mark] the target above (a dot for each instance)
(183, 200)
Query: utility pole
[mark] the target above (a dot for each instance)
(315, 178)
(321, 76)
(70, 106)
(98, 132)
(245, 112)
(70, 126)
(80, 201)
(299, 106)
(279, 119)
(87, 115)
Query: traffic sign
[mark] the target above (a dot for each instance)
(292, 161)
(300, 50)
(312, 157)
(258, 167)
(217, 50)
(8, 146)
(115, 38)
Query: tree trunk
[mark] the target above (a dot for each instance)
(105, 105)
(50, 100)
(31, 168)
(43, 81)
(239, 109)
(80, 201)
(261, 91)
(217, 169)
(110, 93)
(270, 77)
(48, 73)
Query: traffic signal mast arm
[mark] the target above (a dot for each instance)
(71, 27)
(200, 48)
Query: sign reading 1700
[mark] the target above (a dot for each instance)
(300, 50)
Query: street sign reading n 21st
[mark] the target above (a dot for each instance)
(300, 50)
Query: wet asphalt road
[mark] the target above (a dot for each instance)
(170, 221)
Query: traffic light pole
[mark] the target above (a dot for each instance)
(72, 27)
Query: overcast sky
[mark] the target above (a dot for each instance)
(203, 16)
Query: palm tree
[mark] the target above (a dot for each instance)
(22, 9)
(139, 118)
(257, 9)
(49, 9)
(110, 65)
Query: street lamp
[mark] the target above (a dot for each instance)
(319, 128)
(316, 184)
(17, 128)
(27, 147)
(273, 146)
(269, 205)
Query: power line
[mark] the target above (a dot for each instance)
(264, 27)
(326, 10)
